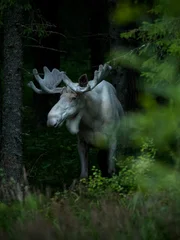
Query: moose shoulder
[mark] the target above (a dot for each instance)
(90, 109)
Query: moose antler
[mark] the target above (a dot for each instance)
(100, 75)
(53, 79)
(49, 83)
(84, 85)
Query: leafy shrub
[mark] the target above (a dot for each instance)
(127, 179)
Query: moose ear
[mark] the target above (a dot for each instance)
(83, 80)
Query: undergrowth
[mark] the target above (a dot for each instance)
(141, 202)
(72, 216)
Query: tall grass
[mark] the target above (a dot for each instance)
(71, 216)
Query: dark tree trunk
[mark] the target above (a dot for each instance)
(11, 152)
(99, 32)
(118, 73)
(47, 57)
(123, 79)
(1, 63)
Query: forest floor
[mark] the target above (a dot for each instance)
(75, 215)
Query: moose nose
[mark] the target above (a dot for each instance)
(51, 122)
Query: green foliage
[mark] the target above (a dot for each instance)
(5, 4)
(157, 60)
(126, 12)
(54, 161)
(127, 180)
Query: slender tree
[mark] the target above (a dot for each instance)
(11, 151)
(1, 57)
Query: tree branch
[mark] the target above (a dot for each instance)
(51, 49)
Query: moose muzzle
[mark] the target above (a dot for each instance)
(52, 122)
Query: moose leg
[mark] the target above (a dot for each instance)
(111, 161)
(83, 154)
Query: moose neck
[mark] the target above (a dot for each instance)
(91, 112)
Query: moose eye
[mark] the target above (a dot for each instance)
(74, 98)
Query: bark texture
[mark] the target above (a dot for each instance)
(11, 151)
(123, 79)
(118, 74)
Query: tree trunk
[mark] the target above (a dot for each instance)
(11, 151)
(118, 73)
(123, 79)
(1, 57)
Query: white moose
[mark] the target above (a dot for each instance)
(90, 109)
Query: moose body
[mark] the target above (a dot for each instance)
(90, 109)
